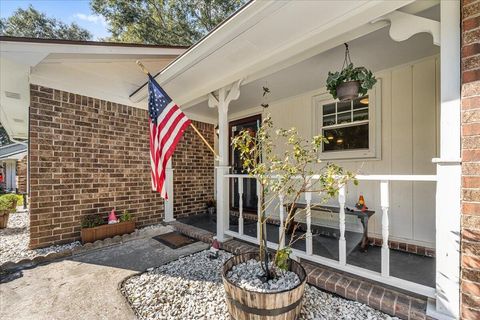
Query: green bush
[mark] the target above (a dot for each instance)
(126, 216)
(8, 202)
(92, 221)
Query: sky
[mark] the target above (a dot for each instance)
(68, 11)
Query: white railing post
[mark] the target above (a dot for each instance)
(342, 244)
(169, 183)
(240, 206)
(384, 202)
(308, 235)
(259, 213)
(281, 234)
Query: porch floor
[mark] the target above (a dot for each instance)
(404, 265)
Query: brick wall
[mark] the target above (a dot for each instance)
(22, 175)
(470, 274)
(88, 156)
(193, 173)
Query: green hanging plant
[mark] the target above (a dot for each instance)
(349, 72)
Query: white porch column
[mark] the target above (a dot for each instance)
(169, 203)
(448, 195)
(221, 101)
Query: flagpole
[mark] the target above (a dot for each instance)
(144, 70)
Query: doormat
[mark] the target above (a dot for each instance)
(174, 240)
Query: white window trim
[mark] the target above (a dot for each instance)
(374, 128)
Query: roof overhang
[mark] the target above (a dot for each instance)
(101, 70)
(16, 151)
(267, 36)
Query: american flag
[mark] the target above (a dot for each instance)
(167, 124)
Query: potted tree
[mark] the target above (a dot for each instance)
(261, 284)
(351, 82)
(95, 228)
(8, 204)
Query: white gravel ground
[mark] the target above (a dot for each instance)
(191, 288)
(14, 240)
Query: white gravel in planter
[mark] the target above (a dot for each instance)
(15, 238)
(191, 288)
(247, 275)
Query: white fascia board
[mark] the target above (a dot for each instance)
(35, 47)
(250, 15)
(351, 25)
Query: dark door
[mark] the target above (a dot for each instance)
(249, 185)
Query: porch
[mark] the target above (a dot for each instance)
(415, 267)
(407, 154)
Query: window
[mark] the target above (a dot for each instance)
(349, 127)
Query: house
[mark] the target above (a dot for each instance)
(13, 166)
(416, 136)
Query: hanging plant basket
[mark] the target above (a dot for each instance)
(351, 82)
(348, 90)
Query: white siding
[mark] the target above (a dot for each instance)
(409, 141)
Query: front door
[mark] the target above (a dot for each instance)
(249, 185)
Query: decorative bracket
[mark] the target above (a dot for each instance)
(225, 95)
(404, 25)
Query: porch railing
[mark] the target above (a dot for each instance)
(384, 276)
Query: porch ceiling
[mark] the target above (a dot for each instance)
(267, 37)
(376, 51)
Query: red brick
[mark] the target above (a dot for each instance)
(471, 288)
(470, 262)
(471, 23)
(470, 314)
(470, 155)
(470, 235)
(471, 50)
(470, 76)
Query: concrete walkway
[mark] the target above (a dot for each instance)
(84, 286)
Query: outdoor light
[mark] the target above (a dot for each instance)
(364, 101)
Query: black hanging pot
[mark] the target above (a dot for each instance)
(348, 90)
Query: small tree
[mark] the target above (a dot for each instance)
(297, 171)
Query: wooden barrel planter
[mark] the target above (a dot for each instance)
(244, 304)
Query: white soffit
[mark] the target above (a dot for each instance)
(103, 71)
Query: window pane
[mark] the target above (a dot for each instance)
(360, 102)
(329, 120)
(348, 138)
(345, 117)
(360, 115)
(329, 108)
(344, 106)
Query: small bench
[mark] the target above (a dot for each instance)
(363, 216)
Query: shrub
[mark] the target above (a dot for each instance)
(92, 221)
(9, 202)
(126, 216)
